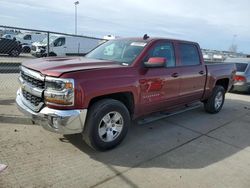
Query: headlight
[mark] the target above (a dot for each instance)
(59, 91)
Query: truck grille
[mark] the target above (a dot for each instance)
(34, 82)
(31, 98)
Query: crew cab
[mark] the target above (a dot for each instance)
(121, 80)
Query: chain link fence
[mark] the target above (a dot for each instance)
(21, 44)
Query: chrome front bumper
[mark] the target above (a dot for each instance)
(59, 121)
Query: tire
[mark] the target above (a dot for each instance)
(100, 128)
(14, 53)
(215, 102)
(52, 54)
(26, 49)
(248, 90)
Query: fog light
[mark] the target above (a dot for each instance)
(55, 122)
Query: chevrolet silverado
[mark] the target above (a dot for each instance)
(121, 80)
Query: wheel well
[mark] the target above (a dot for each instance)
(26, 47)
(223, 82)
(125, 97)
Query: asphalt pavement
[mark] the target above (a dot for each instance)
(192, 149)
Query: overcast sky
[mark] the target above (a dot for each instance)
(212, 23)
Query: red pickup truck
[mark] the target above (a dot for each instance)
(121, 80)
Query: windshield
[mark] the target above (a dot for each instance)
(122, 51)
(19, 36)
(51, 39)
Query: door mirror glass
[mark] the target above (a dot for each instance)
(155, 62)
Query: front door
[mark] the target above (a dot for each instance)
(160, 86)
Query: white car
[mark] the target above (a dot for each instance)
(9, 36)
(26, 39)
(64, 45)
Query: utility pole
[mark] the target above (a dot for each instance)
(76, 3)
(233, 47)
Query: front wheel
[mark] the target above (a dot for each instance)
(215, 102)
(107, 124)
(26, 49)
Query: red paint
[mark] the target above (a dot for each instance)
(155, 86)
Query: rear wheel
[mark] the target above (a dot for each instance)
(107, 124)
(14, 53)
(52, 54)
(248, 90)
(26, 49)
(215, 102)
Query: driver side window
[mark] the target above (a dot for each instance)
(165, 50)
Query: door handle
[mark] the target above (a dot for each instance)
(175, 75)
(201, 72)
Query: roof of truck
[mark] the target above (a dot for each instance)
(140, 39)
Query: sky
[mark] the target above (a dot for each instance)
(215, 24)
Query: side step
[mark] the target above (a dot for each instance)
(162, 115)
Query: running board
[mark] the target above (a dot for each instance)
(162, 115)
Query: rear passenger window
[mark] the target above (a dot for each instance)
(189, 54)
(165, 50)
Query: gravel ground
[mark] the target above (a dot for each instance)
(8, 86)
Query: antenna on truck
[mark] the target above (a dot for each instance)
(145, 37)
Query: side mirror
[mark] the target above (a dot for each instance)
(155, 62)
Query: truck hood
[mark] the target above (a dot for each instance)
(56, 66)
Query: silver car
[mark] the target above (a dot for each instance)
(242, 77)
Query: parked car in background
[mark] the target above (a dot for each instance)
(9, 36)
(10, 46)
(242, 77)
(64, 45)
(110, 37)
(121, 80)
(26, 39)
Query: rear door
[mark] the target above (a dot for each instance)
(160, 86)
(193, 72)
